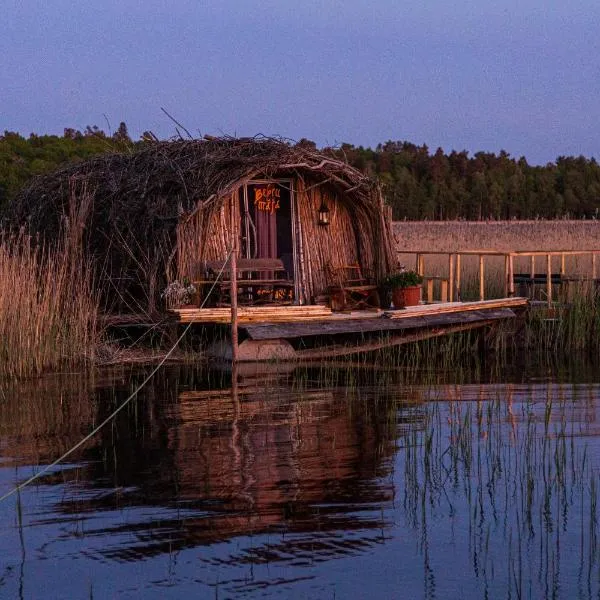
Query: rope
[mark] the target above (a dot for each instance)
(110, 417)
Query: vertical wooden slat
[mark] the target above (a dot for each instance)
(457, 293)
(450, 277)
(505, 275)
(532, 266)
(562, 265)
(444, 290)
(593, 265)
(234, 287)
(421, 264)
(549, 278)
(430, 290)
(511, 275)
(481, 278)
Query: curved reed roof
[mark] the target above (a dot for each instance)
(163, 181)
(127, 207)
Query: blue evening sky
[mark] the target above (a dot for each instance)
(523, 76)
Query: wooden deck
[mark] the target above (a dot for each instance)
(271, 330)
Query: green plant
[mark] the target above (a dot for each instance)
(402, 279)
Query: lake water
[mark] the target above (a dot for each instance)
(304, 483)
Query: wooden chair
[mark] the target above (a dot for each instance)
(350, 288)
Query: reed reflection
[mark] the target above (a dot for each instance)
(507, 477)
(261, 456)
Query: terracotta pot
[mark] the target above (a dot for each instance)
(407, 296)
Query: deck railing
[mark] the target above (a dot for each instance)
(450, 286)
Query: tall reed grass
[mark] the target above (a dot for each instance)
(48, 313)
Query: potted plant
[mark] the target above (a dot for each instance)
(405, 287)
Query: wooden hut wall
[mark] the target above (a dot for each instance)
(206, 236)
(324, 247)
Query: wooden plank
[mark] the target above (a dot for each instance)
(266, 331)
(451, 307)
(372, 345)
(251, 313)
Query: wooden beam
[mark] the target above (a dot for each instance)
(264, 331)
(234, 287)
(320, 353)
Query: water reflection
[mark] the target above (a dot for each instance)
(287, 483)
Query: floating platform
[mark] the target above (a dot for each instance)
(315, 332)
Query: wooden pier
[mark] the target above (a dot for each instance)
(315, 332)
(545, 273)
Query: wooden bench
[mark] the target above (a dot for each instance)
(259, 281)
(350, 289)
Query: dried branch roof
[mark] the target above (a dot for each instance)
(164, 180)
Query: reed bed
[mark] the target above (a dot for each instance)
(502, 236)
(511, 465)
(48, 314)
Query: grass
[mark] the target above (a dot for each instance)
(47, 311)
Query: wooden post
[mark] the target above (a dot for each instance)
(549, 278)
(457, 294)
(593, 265)
(506, 275)
(450, 277)
(532, 266)
(481, 278)
(563, 270)
(444, 290)
(511, 276)
(234, 288)
(430, 291)
(420, 265)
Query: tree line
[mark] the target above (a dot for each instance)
(417, 183)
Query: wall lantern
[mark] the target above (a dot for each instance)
(323, 214)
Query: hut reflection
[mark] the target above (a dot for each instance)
(267, 453)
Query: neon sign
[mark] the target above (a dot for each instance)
(267, 198)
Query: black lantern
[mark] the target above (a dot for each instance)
(323, 214)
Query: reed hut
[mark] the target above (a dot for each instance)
(159, 213)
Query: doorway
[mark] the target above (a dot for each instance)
(267, 216)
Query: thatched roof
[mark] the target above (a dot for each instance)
(126, 207)
(164, 180)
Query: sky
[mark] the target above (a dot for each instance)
(478, 75)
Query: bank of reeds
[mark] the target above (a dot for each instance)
(48, 313)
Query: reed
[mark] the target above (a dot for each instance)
(48, 313)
